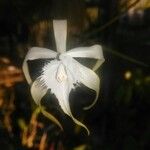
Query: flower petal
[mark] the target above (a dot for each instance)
(63, 99)
(82, 74)
(60, 89)
(37, 91)
(36, 53)
(51, 117)
(90, 79)
(60, 33)
(94, 52)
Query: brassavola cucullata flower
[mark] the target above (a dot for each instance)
(62, 73)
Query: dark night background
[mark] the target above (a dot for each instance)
(120, 119)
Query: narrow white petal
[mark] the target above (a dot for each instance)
(97, 65)
(90, 79)
(94, 51)
(51, 117)
(37, 91)
(62, 95)
(60, 33)
(36, 53)
(83, 75)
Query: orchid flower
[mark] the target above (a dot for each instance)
(62, 73)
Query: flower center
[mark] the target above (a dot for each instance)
(61, 74)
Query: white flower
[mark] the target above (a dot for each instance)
(61, 74)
